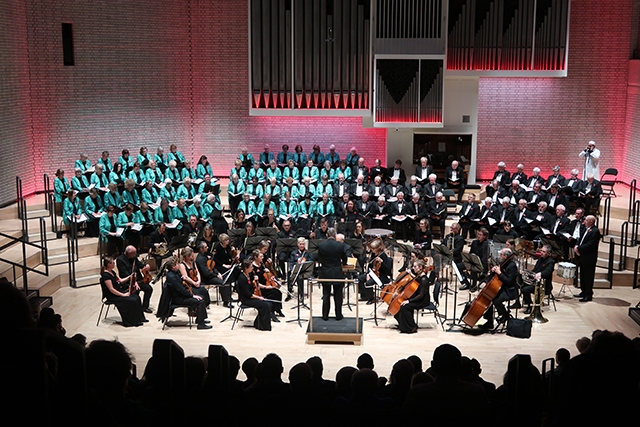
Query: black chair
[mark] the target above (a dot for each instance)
(166, 307)
(433, 306)
(448, 193)
(106, 303)
(607, 182)
(241, 309)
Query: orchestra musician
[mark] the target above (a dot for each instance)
(455, 242)
(543, 271)
(423, 237)
(118, 293)
(211, 276)
(366, 283)
(182, 295)
(128, 263)
(191, 275)
(507, 272)
(249, 296)
(479, 247)
(268, 289)
(226, 257)
(332, 255)
(298, 256)
(419, 299)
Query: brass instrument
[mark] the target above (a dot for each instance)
(161, 250)
(193, 237)
(538, 295)
(528, 277)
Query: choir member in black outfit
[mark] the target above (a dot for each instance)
(454, 178)
(419, 299)
(423, 237)
(586, 249)
(117, 292)
(438, 213)
(543, 271)
(468, 212)
(366, 283)
(210, 276)
(247, 287)
(129, 263)
(180, 294)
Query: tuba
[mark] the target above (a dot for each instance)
(538, 295)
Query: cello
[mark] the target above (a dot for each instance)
(482, 302)
(402, 289)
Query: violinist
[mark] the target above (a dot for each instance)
(225, 256)
(128, 263)
(129, 305)
(419, 299)
(267, 284)
(182, 295)
(507, 272)
(298, 256)
(191, 275)
(380, 262)
(247, 291)
(210, 275)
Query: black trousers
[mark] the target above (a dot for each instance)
(327, 288)
(263, 319)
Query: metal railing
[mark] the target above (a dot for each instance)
(72, 251)
(50, 205)
(22, 240)
(606, 216)
(612, 247)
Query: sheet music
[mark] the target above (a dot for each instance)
(119, 231)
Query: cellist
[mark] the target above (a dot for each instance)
(419, 299)
(507, 272)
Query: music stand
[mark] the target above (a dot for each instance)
(313, 247)
(445, 254)
(377, 287)
(227, 276)
(252, 243)
(347, 227)
(286, 245)
(237, 236)
(301, 271)
(269, 233)
(472, 262)
(357, 248)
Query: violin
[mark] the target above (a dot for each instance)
(146, 276)
(256, 287)
(132, 284)
(193, 275)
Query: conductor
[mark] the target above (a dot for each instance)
(332, 255)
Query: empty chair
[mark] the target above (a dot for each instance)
(607, 181)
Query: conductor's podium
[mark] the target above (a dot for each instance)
(347, 330)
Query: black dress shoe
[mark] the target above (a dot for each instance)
(585, 299)
(325, 318)
(147, 310)
(516, 305)
(487, 325)
(580, 295)
(274, 318)
(528, 310)
(279, 313)
(339, 318)
(288, 298)
(464, 287)
(371, 301)
(227, 305)
(204, 326)
(207, 321)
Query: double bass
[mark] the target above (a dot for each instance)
(482, 302)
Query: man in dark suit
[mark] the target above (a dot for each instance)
(438, 213)
(574, 229)
(399, 220)
(586, 250)
(376, 188)
(507, 272)
(212, 276)
(519, 174)
(454, 178)
(502, 175)
(128, 263)
(495, 191)
(515, 193)
(393, 188)
(479, 247)
(543, 271)
(397, 172)
(423, 170)
(455, 241)
(358, 187)
(332, 255)
(520, 217)
(589, 196)
(377, 170)
(467, 213)
(360, 169)
(555, 198)
(431, 188)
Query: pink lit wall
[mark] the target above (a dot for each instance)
(547, 121)
(153, 73)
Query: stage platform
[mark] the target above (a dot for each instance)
(348, 330)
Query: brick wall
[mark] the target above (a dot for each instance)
(15, 121)
(543, 122)
(153, 73)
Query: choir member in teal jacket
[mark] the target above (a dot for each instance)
(126, 219)
(112, 197)
(235, 190)
(188, 172)
(291, 187)
(108, 232)
(137, 174)
(263, 207)
(106, 163)
(176, 155)
(126, 160)
(203, 167)
(247, 206)
(167, 191)
(311, 171)
(144, 158)
(149, 193)
(237, 169)
(323, 187)
(288, 208)
(256, 172)
(93, 206)
(273, 171)
(291, 171)
(83, 163)
(325, 209)
(172, 172)
(71, 209)
(154, 173)
(186, 190)
(255, 189)
(118, 174)
(161, 159)
(306, 188)
(129, 193)
(79, 182)
(99, 178)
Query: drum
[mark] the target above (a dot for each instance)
(566, 270)
(374, 233)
